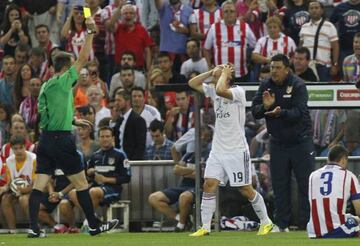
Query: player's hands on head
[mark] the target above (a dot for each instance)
(228, 70)
(268, 99)
(216, 72)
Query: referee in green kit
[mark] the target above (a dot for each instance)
(57, 149)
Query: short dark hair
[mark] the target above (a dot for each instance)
(61, 60)
(23, 48)
(164, 54)
(42, 25)
(283, 58)
(124, 93)
(316, 1)
(86, 109)
(17, 140)
(265, 69)
(303, 50)
(357, 35)
(129, 52)
(38, 51)
(156, 125)
(193, 40)
(105, 128)
(127, 67)
(138, 88)
(8, 57)
(337, 152)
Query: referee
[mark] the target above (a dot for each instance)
(282, 100)
(56, 144)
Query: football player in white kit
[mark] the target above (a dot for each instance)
(229, 159)
(330, 187)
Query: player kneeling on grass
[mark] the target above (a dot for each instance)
(229, 158)
(330, 187)
(110, 169)
(20, 171)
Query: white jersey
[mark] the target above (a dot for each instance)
(27, 168)
(330, 187)
(229, 134)
(230, 43)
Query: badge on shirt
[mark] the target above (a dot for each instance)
(126, 163)
(111, 161)
(289, 89)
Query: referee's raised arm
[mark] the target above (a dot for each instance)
(87, 47)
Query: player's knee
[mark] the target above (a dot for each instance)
(210, 185)
(247, 191)
(6, 200)
(186, 198)
(155, 198)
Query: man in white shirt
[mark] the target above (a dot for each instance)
(330, 187)
(195, 63)
(229, 159)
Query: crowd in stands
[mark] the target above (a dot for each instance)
(143, 43)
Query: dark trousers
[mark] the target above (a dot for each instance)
(324, 73)
(300, 159)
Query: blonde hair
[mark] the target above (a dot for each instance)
(274, 20)
(155, 72)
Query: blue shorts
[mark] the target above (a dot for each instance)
(110, 195)
(173, 194)
(349, 229)
(57, 150)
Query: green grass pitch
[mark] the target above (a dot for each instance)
(172, 239)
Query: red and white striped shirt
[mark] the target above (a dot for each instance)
(106, 14)
(269, 47)
(230, 43)
(75, 42)
(205, 19)
(330, 187)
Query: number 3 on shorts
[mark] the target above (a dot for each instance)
(238, 177)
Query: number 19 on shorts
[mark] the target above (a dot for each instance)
(238, 177)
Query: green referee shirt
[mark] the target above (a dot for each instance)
(56, 102)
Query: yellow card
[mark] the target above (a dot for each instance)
(87, 12)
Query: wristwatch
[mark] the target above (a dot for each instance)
(61, 195)
(88, 31)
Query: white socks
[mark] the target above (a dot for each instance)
(208, 206)
(259, 207)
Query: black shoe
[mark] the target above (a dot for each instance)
(108, 226)
(33, 234)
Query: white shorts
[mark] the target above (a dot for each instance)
(232, 167)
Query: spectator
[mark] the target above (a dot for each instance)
(21, 164)
(126, 80)
(13, 31)
(137, 39)
(7, 83)
(128, 59)
(160, 148)
(149, 15)
(291, 148)
(195, 61)
(146, 111)
(156, 99)
(22, 84)
(229, 40)
(5, 121)
(328, 128)
(22, 54)
(42, 34)
(29, 106)
(294, 14)
(95, 96)
(352, 132)
(17, 128)
(174, 28)
(346, 15)
(81, 87)
(166, 65)
(74, 31)
(204, 17)
(38, 62)
(94, 75)
(351, 63)
(181, 118)
(326, 53)
(272, 44)
(301, 67)
(326, 185)
(115, 113)
(86, 144)
(130, 129)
